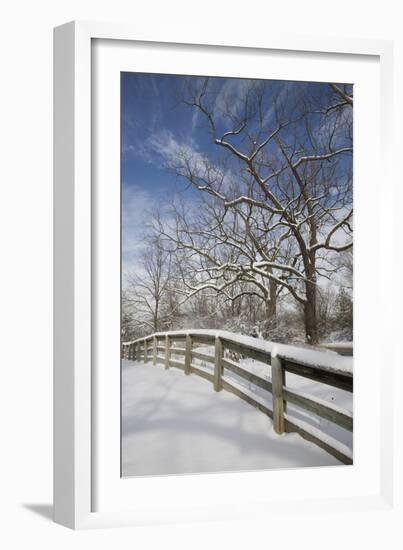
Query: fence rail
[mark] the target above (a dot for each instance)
(176, 349)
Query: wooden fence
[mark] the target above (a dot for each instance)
(160, 347)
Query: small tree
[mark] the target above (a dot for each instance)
(344, 310)
(148, 293)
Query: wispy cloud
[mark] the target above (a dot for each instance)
(137, 202)
(165, 144)
(231, 96)
(161, 145)
(139, 205)
(195, 120)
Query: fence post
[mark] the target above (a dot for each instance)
(134, 352)
(145, 351)
(284, 383)
(188, 353)
(218, 364)
(154, 350)
(167, 351)
(277, 376)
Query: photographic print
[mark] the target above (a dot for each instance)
(236, 274)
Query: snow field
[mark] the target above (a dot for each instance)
(177, 424)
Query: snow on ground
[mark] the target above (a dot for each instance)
(333, 396)
(176, 424)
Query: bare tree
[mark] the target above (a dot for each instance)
(278, 192)
(148, 294)
(128, 330)
(222, 250)
(344, 264)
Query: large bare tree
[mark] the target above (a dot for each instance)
(280, 189)
(277, 191)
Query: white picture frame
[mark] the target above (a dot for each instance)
(76, 388)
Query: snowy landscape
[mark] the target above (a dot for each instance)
(237, 228)
(184, 427)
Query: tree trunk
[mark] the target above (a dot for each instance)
(271, 306)
(156, 312)
(310, 314)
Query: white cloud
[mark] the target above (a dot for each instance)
(165, 144)
(231, 95)
(195, 119)
(172, 152)
(136, 204)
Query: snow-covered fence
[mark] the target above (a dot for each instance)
(324, 367)
(342, 348)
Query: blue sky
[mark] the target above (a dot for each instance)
(154, 123)
(150, 112)
(148, 106)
